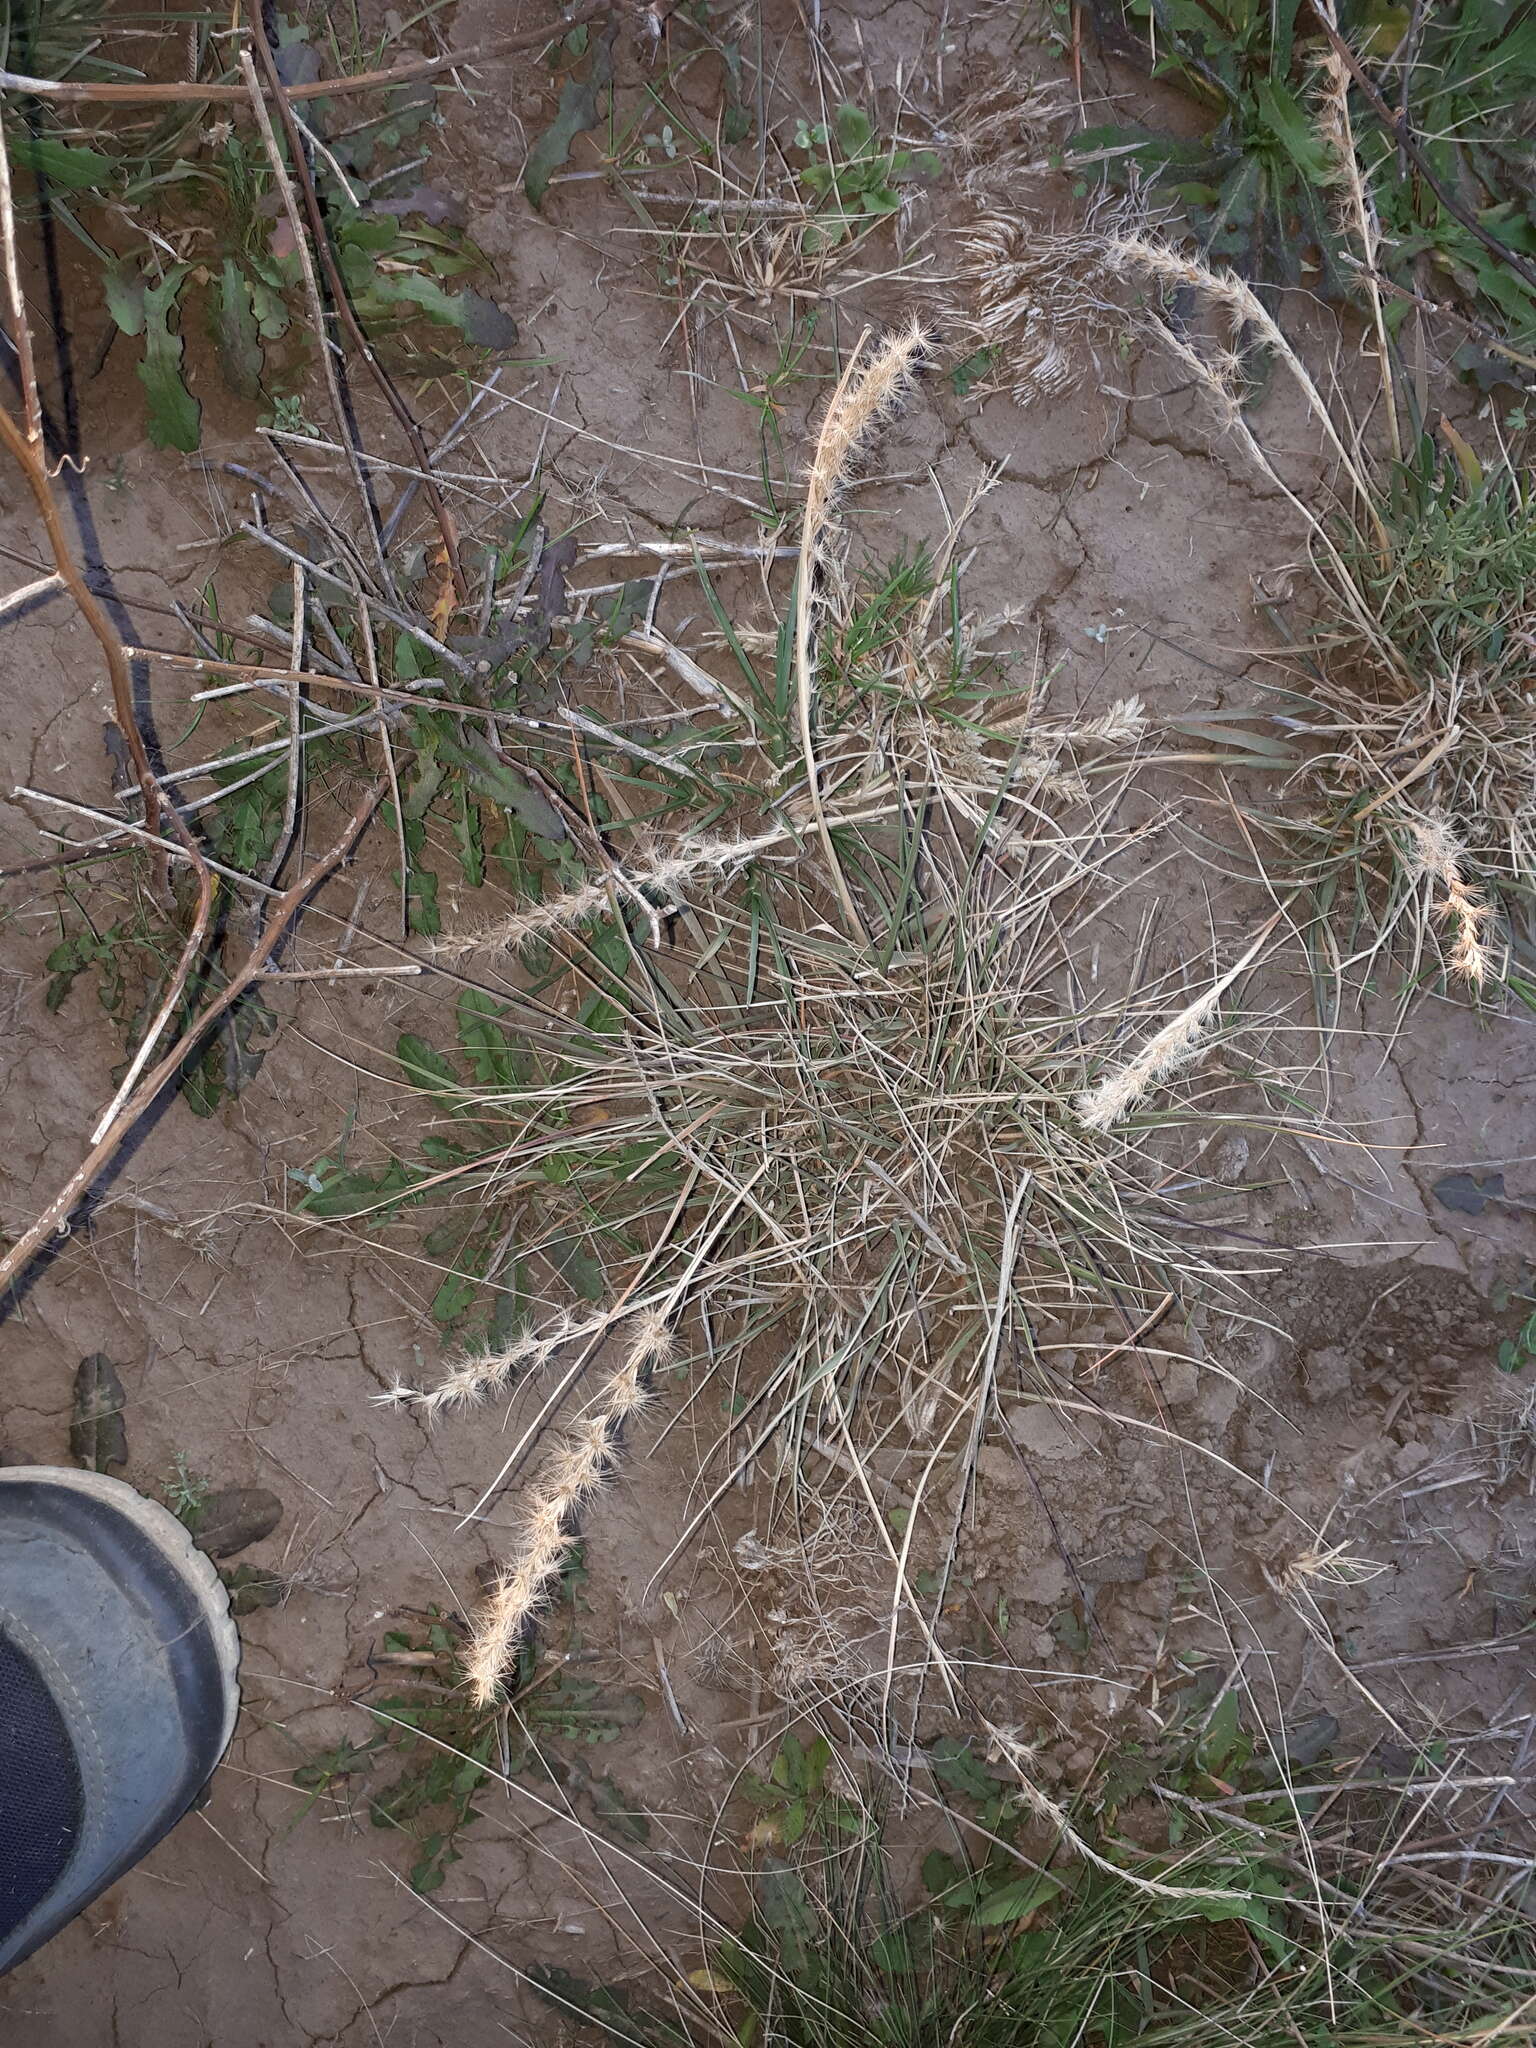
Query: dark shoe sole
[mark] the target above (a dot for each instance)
(128, 1627)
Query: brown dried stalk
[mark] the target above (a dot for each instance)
(71, 90)
(339, 299)
(290, 199)
(27, 446)
(54, 1220)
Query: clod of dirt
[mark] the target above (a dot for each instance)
(1037, 1429)
(1326, 1374)
(1047, 1585)
(1179, 1382)
(251, 1586)
(235, 1518)
(98, 1436)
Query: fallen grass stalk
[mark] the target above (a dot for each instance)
(146, 94)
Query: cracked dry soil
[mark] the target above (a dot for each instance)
(1364, 1389)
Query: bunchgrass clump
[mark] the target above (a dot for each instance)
(1275, 1911)
(884, 1099)
(1418, 689)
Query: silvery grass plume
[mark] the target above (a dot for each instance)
(966, 770)
(867, 393)
(1056, 303)
(1355, 211)
(1101, 1107)
(479, 1374)
(654, 889)
(582, 1460)
(1136, 250)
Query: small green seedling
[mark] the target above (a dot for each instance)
(423, 1772)
(1515, 1353)
(186, 1492)
(795, 1798)
(855, 178)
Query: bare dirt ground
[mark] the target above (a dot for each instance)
(1360, 1392)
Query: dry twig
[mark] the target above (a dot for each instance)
(54, 1219)
(145, 94)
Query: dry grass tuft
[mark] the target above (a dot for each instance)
(1044, 300)
(860, 1127)
(1005, 136)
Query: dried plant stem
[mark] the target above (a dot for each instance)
(1503, 252)
(55, 1217)
(582, 1460)
(405, 418)
(290, 199)
(26, 445)
(146, 94)
(865, 393)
